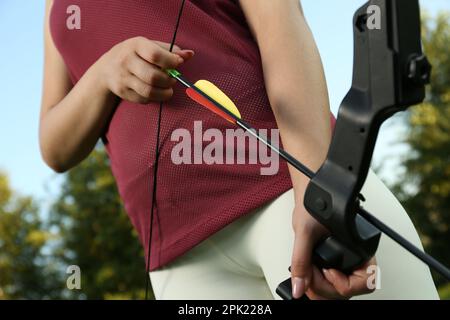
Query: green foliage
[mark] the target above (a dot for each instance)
(444, 292)
(25, 272)
(425, 187)
(96, 234)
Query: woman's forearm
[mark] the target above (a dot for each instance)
(70, 129)
(298, 94)
(295, 83)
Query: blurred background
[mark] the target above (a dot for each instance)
(49, 222)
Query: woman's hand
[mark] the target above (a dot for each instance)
(73, 117)
(307, 278)
(134, 69)
(333, 284)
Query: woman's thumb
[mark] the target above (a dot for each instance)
(301, 268)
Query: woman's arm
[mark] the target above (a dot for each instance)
(297, 91)
(294, 80)
(73, 118)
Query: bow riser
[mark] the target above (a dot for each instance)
(381, 87)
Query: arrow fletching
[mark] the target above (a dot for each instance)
(211, 97)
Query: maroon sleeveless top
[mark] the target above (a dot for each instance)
(193, 201)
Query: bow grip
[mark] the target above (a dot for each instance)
(331, 253)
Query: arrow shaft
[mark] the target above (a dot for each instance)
(246, 127)
(183, 81)
(424, 257)
(286, 156)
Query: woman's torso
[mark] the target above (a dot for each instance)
(193, 201)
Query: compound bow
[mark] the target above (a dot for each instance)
(390, 73)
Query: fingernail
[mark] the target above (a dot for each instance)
(180, 60)
(298, 287)
(327, 273)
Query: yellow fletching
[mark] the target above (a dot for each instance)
(215, 93)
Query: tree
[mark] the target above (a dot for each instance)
(25, 272)
(424, 189)
(96, 234)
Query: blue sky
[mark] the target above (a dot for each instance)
(21, 74)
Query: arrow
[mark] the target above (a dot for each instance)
(209, 96)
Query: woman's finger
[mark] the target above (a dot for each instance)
(314, 296)
(156, 55)
(185, 54)
(146, 92)
(149, 74)
(348, 286)
(166, 46)
(131, 96)
(333, 284)
(320, 288)
(301, 262)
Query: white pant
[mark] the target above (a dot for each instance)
(250, 257)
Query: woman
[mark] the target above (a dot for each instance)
(220, 231)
